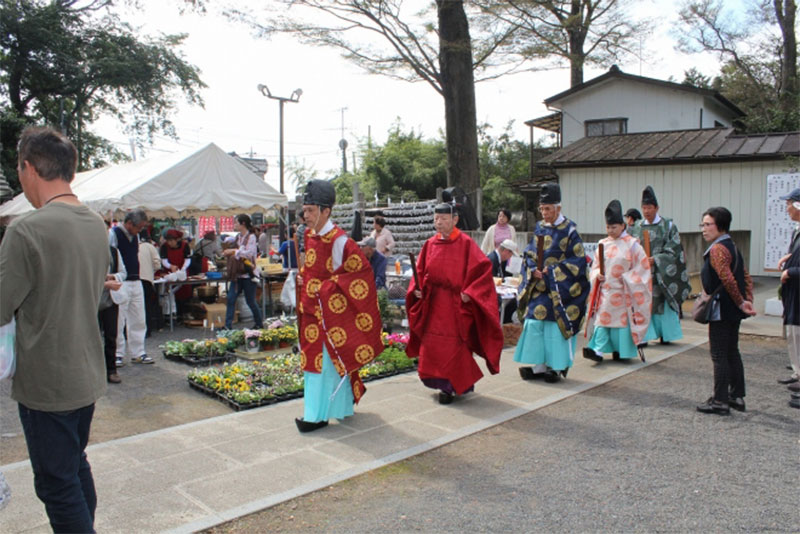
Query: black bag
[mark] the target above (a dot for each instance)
(701, 310)
(196, 267)
(105, 298)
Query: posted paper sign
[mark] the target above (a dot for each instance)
(778, 225)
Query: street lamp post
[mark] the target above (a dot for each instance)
(295, 97)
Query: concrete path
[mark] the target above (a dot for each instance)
(193, 476)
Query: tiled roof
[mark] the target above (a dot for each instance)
(679, 146)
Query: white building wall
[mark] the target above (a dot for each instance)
(648, 108)
(684, 192)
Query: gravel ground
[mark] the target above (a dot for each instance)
(629, 456)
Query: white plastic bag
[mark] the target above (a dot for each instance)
(8, 358)
(288, 293)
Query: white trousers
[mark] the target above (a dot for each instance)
(793, 336)
(131, 318)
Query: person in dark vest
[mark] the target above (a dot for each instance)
(790, 295)
(132, 318)
(108, 315)
(724, 266)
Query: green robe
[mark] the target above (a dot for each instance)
(670, 279)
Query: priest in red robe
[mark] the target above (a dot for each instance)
(338, 318)
(453, 313)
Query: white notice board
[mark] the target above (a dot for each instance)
(778, 224)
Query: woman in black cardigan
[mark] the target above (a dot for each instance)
(724, 266)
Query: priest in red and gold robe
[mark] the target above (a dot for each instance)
(338, 318)
(454, 312)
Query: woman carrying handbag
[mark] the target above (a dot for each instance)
(724, 266)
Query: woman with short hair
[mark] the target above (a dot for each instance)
(724, 272)
(384, 241)
(498, 232)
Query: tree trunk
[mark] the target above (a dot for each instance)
(577, 36)
(786, 15)
(458, 88)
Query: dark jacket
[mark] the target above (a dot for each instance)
(728, 310)
(790, 291)
(498, 267)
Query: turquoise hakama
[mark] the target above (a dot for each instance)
(318, 388)
(542, 342)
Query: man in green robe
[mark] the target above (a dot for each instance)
(668, 262)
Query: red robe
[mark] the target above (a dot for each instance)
(338, 308)
(445, 331)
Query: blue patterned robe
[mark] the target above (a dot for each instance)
(561, 294)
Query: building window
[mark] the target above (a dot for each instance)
(606, 127)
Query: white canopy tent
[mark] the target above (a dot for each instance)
(202, 182)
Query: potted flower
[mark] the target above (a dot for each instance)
(287, 336)
(268, 338)
(251, 340)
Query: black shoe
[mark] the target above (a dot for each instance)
(787, 381)
(641, 345)
(795, 395)
(526, 373)
(589, 354)
(791, 387)
(794, 403)
(715, 407)
(551, 377)
(446, 398)
(615, 356)
(662, 342)
(736, 403)
(564, 373)
(302, 426)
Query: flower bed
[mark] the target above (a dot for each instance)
(244, 385)
(221, 349)
(199, 352)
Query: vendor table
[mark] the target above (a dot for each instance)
(265, 281)
(507, 293)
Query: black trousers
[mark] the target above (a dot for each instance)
(108, 328)
(152, 311)
(723, 340)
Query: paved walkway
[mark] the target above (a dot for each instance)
(189, 477)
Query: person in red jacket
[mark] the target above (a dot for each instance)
(453, 313)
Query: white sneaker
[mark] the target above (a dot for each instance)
(120, 363)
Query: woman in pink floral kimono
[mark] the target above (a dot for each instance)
(621, 295)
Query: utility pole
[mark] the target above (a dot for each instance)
(343, 143)
(295, 97)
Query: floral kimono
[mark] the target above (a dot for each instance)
(620, 306)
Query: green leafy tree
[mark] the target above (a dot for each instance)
(406, 167)
(67, 62)
(504, 161)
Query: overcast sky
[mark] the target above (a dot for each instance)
(238, 118)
